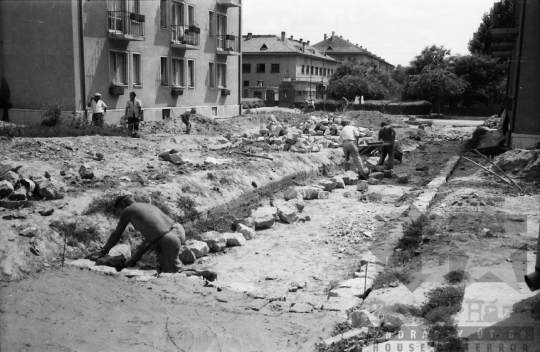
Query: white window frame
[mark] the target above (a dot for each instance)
(212, 24)
(194, 74)
(133, 54)
(225, 30)
(194, 14)
(163, 14)
(166, 75)
(126, 68)
(212, 75)
(173, 77)
(225, 75)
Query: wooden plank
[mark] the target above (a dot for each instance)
(504, 32)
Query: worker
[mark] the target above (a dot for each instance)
(349, 137)
(185, 118)
(398, 152)
(157, 229)
(387, 135)
(344, 104)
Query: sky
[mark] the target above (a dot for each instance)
(396, 30)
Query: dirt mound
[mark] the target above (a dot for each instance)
(524, 163)
(492, 122)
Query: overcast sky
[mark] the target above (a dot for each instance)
(395, 30)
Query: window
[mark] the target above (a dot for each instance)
(246, 68)
(316, 71)
(177, 26)
(221, 32)
(261, 68)
(324, 72)
(137, 69)
(191, 15)
(163, 13)
(164, 72)
(260, 83)
(178, 72)
(312, 69)
(302, 69)
(211, 24)
(165, 114)
(274, 68)
(214, 110)
(246, 83)
(191, 73)
(257, 95)
(222, 75)
(118, 69)
(211, 74)
(137, 6)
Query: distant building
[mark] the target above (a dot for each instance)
(173, 54)
(344, 51)
(270, 60)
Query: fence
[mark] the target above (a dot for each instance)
(124, 22)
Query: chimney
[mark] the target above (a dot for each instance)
(307, 42)
(250, 35)
(291, 37)
(325, 36)
(303, 46)
(333, 34)
(341, 36)
(301, 40)
(283, 36)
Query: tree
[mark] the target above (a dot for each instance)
(481, 41)
(437, 83)
(432, 57)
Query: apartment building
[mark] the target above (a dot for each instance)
(269, 61)
(344, 51)
(174, 54)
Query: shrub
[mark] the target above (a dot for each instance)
(412, 234)
(77, 231)
(52, 113)
(444, 337)
(384, 106)
(448, 296)
(187, 206)
(252, 103)
(455, 276)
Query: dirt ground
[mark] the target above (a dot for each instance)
(48, 308)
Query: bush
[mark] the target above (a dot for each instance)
(384, 106)
(443, 302)
(413, 232)
(455, 276)
(52, 113)
(77, 231)
(252, 103)
(187, 205)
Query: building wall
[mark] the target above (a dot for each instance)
(37, 54)
(360, 58)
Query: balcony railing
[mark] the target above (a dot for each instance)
(185, 37)
(126, 25)
(228, 45)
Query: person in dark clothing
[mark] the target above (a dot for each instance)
(185, 119)
(388, 135)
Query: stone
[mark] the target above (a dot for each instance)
(329, 185)
(309, 193)
(387, 173)
(199, 248)
(246, 221)
(362, 186)
(487, 233)
(373, 181)
(422, 167)
(340, 183)
(264, 217)
(235, 239)
(364, 318)
(52, 189)
(28, 232)
(4, 168)
(86, 172)
(391, 324)
(323, 195)
(121, 249)
(47, 212)
(345, 336)
(377, 175)
(215, 240)
(248, 232)
(299, 204)
(11, 177)
(6, 188)
(301, 308)
(100, 156)
(186, 255)
(287, 213)
(111, 261)
(18, 194)
(403, 178)
(176, 159)
(380, 218)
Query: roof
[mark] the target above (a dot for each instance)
(259, 44)
(338, 45)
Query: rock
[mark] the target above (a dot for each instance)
(487, 233)
(100, 156)
(4, 168)
(235, 239)
(199, 248)
(186, 255)
(247, 222)
(309, 193)
(46, 212)
(121, 249)
(287, 213)
(340, 183)
(377, 175)
(19, 194)
(215, 240)
(248, 232)
(345, 336)
(299, 204)
(362, 186)
(51, 189)
(301, 308)
(11, 177)
(422, 167)
(379, 217)
(373, 181)
(403, 178)
(391, 324)
(86, 172)
(329, 185)
(6, 188)
(176, 159)
(292, 194)
(264, 217)
(111, 261)
(364, 318)
(387, 173)
(28, 232)
(323, 195)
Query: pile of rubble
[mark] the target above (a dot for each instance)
(492, 122)
(520, 162)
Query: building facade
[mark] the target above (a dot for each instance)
(269, 60)
(345, 51)
(173, 54)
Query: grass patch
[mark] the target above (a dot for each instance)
(407, 309)
(413, 236)
(187, 206)
(78, 231)
(449, 296)
(456, 276)
(390, 276)
(445, 338)
(104, 204)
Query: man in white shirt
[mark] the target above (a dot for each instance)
(133, 114)
(349, 137)
(98, 108)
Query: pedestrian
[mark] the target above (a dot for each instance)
(349, 137)
(398, 152)
(185, 118)
(98, 108)
(387, 134)
(344, 104)
(133, 114)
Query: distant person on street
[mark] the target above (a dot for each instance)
(344, 104)
(133, 114)
(98, 108)
(387, 134)
(185, 118)
(349, 137)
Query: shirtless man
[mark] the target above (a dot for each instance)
(156, 228)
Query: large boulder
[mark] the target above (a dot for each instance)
(186, 255)
(292, 194)
(6, 188)
(18, 194)
(248, 232)
(215, 240)
(11, 177)
(362, 186)
(340, 182)
(329, 185)
(287, 213)
(51, 189)
(298, 203)
(199, 248)
(364, 318)
(246, 221)
(309, 193)
(235, 239)
(86, 172)
(264, 217)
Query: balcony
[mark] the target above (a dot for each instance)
(229, 3)
(185, 37)
(125, 25)
(228, 45)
